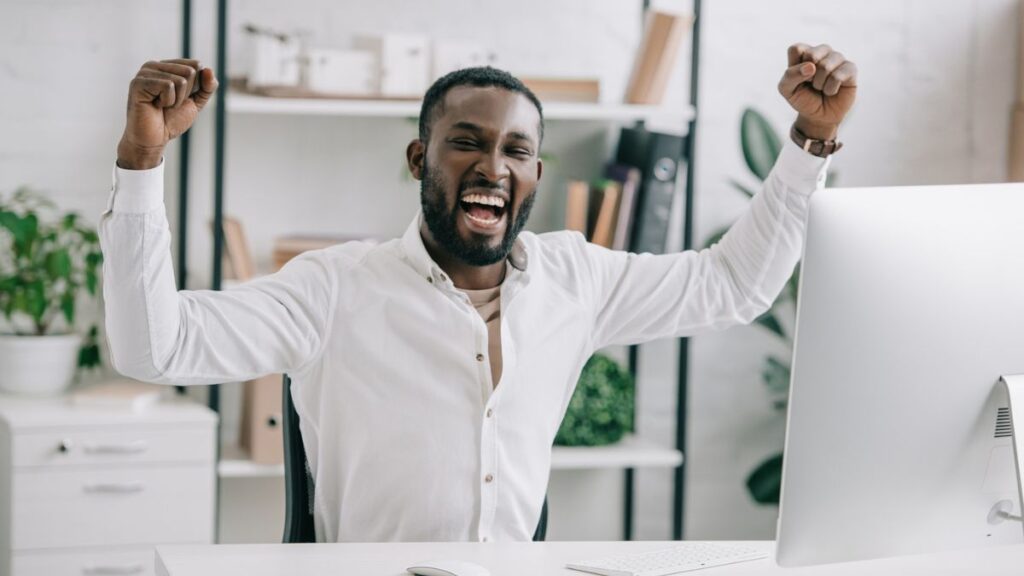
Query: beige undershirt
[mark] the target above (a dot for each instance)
(488, 304)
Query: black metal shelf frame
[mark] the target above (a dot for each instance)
(218, 239)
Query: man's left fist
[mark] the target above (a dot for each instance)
(821, 85)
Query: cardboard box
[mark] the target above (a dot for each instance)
(656, 56)
(1015, 170)
(261, 435)
(403, 63)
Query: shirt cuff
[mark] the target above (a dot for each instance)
(800, 170)
(137, 191)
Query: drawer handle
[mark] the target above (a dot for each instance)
(113, 570)
(114, 488)
(136, 447)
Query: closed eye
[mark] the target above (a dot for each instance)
(464, 143)
(520, 152)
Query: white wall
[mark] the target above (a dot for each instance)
(936, 84)
(936, 81)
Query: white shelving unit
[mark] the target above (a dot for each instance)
(677, 118)
(630, 452)
(244, 103)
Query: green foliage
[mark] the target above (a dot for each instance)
(765, 482)
(761, 148)
(601, 409)
(45, 260)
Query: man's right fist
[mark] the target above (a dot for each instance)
(164, 99)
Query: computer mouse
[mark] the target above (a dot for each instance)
(448, 568)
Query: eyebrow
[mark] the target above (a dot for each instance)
(475, 128)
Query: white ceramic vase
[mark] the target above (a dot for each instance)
(38, 365)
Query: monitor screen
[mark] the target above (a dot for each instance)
(911, 308)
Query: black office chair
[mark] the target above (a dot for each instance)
(298, 482)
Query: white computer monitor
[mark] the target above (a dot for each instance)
(911, 308)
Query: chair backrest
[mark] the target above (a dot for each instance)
(298, 483)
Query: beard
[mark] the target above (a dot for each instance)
(442, 221)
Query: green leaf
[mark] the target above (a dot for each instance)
(761, 146)
(68, 223)
(90, 281)
(9, 221)
(602, 406)
(769, 321)
(793, 286)
(93, 259)
(742, 188)
(67, 306)
(775, 375)
(765, 482)
(58, 263)
(35, 300)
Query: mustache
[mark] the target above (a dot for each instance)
(481, 183)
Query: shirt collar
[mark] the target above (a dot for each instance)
(418, 257)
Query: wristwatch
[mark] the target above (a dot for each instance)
(821, 148)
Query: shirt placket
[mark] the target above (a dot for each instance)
(490, 438)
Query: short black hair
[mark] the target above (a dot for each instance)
(478, 76)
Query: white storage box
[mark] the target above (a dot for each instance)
(274, 60)
(403, 63)
(342, 72)
(451, 55)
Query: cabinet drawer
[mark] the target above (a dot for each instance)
(112, 507)
(121, 445)
(108, 562)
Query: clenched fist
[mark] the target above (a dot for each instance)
(821, 85)
(164, 100)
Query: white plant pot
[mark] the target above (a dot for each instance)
(38, 365)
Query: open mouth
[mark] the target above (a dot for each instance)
(483, 210)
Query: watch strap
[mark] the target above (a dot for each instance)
(820, 148)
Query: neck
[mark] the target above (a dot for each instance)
(463, 275)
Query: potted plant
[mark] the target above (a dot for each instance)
(46, 259)
(601, 409)
(761, 147)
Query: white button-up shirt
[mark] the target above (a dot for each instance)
(407, 437)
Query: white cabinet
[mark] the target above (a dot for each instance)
(92, 491)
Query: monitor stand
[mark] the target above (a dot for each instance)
(1014, 386)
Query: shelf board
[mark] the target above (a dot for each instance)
(242, 103)
(235, 463)
(630, 452)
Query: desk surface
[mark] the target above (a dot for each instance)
(533, 559)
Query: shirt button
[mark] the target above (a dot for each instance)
(429, 279)
(484, 539)
(479, 357)
(490, 412)
(489, 478)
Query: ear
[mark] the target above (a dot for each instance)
(540, 168)
(415, 153)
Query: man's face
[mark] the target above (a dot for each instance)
(479, 172)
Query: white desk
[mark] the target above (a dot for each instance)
(532, 559)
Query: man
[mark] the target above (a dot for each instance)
(431, 373)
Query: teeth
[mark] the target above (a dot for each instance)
(485, 200)
(485, 221)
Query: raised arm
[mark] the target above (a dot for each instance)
(644, 297)
(157, 333)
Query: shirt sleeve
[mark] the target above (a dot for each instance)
(159, 334)
(641, 297)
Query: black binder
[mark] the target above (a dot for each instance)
(659, 157)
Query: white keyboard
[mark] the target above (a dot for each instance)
(682, 558)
